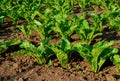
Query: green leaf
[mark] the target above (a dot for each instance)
(65, 45)
(28, 46)
(61, 55)
(116, 60)
(105, 54)
(7, 44)
(37, 23)
(26, 30)
(41, 49)
(20, 52)
(83, 49)
(12, 42)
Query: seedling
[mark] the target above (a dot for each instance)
(96, 55)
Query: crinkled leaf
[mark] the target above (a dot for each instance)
(21, 52)
(26, 30)
(95, 60)
(62, 56)
(104, 55)
(84, 50)
(65, 45)
(13, 42)
(116, 60)
(4, 47)
(100, 53)
(28, 46)
(99, 44)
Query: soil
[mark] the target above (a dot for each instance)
(24, 68)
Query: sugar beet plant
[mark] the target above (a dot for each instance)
(85, 32)
(116, 61)
(96, 55)
(62, 26)
(62, 51)
(99, 21)
(40, 54)
(114, 18)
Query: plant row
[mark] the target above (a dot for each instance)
(55, 17)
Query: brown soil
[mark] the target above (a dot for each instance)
(23, 68)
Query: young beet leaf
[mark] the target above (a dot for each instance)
(33, 24)
(62, 9)
(26, 30)
(98, 21)
(5, 46)
(83, 3)
(64, 29)
(86, 33)
(100, 53)
(44, 23)
(39, 28)
(62, 52)
(114, 11)
(116, 60)
(115, 24)
(63, 26)
(10, 10)
(2, 17)
(97, 54)
(38, 53)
